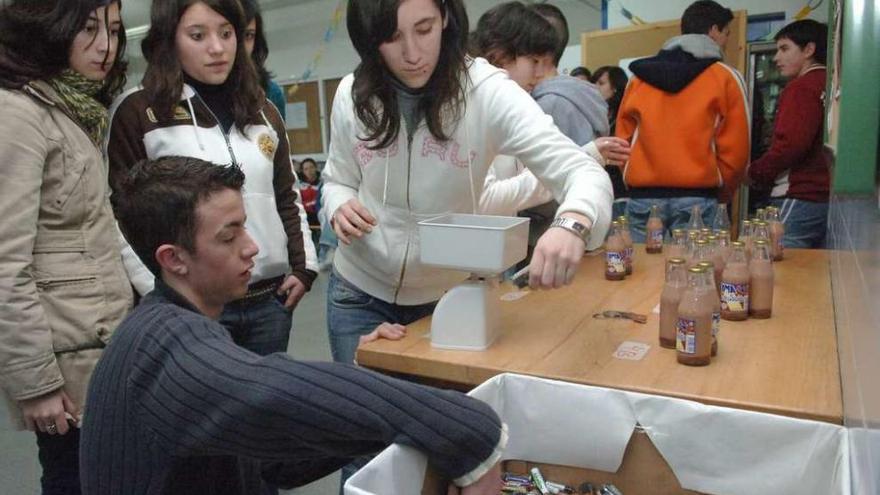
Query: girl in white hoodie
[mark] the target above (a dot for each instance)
(415, 129)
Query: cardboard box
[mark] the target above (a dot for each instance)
(578, 433)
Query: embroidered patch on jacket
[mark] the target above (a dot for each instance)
(266, 145)
(181, 113)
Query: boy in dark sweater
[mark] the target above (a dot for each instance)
(795, 166)
(176, 407)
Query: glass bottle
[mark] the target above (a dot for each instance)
(721, 220)
(695, 223)
(724, 244)
(777, 234)
(654, 232)
(626, 235)
(761, 230)
(735, 285)
(693, 333)
(709, 267)
(670, 298)
(745, 236)
(760, 280)
(717, 259)
(678, 248)
(615, 254)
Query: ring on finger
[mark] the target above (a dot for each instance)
(51, 429)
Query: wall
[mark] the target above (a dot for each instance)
(295, 34)
(854, 230)
(652, 10)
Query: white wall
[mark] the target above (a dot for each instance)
(295, 35)
(652, 10)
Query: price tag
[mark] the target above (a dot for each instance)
(632, 351)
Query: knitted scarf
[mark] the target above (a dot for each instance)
(77, 94)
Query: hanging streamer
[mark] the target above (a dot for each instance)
(632, 17)
(329, 33)
(808, 9)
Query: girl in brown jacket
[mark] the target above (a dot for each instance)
(63, 289)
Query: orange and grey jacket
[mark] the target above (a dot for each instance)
(687, 117)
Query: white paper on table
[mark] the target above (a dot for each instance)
(711, 449)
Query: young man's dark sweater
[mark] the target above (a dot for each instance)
(175, 407)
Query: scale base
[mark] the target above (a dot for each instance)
(466, 317)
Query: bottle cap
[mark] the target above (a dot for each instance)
(707, 265)
(701, 242)
(676, 261)
(696, 269)
(738, 244)
(615, 224)
(677, 231)
(759, 242)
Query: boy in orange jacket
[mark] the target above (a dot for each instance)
(686, 115)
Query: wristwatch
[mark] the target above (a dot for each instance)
(573, 226)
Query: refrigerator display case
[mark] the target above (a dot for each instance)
(765, 84)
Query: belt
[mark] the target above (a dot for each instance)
(259, 292)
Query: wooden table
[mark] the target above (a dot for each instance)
(785, 365)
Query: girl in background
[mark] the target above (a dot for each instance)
(612, 82)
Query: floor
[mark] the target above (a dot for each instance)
(20, 471)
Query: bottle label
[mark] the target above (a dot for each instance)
(734, 297)
(716, 323)
(614, 262)
(686, 336)
(655, 237)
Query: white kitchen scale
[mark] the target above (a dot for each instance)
(466, 317)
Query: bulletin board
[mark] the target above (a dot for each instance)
(304, 118)
(330, 86)
(608, 47)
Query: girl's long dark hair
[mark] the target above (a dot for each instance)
(36, 37)
(617, 78)
(373, 22)
(163, 80)
(261, 46)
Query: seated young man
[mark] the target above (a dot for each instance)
(176, 407)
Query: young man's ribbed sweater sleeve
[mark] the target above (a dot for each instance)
(177, 387)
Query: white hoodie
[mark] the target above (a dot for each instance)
(419, 177)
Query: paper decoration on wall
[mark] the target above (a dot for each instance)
(808, 9)
(329, 33)
(297, 115)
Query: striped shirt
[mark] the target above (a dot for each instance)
(175, 406)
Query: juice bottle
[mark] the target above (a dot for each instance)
(724, 244)
(716, 303)
(735, 285)
(721, 220)
(627, 243)
(760, 280)
(654, 232)
(670, 298)
(777, 234)
(693, 336)
(717, 260)
(615, 254)
(695, 223)
(745, 236)
(678, 248)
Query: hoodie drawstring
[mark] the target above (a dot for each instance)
(195, 124)
(470, 159)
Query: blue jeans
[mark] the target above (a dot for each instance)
(618, 208)
(262, 327)
(675, 213)
(352, 312)
(59, 458)
(806, 222)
